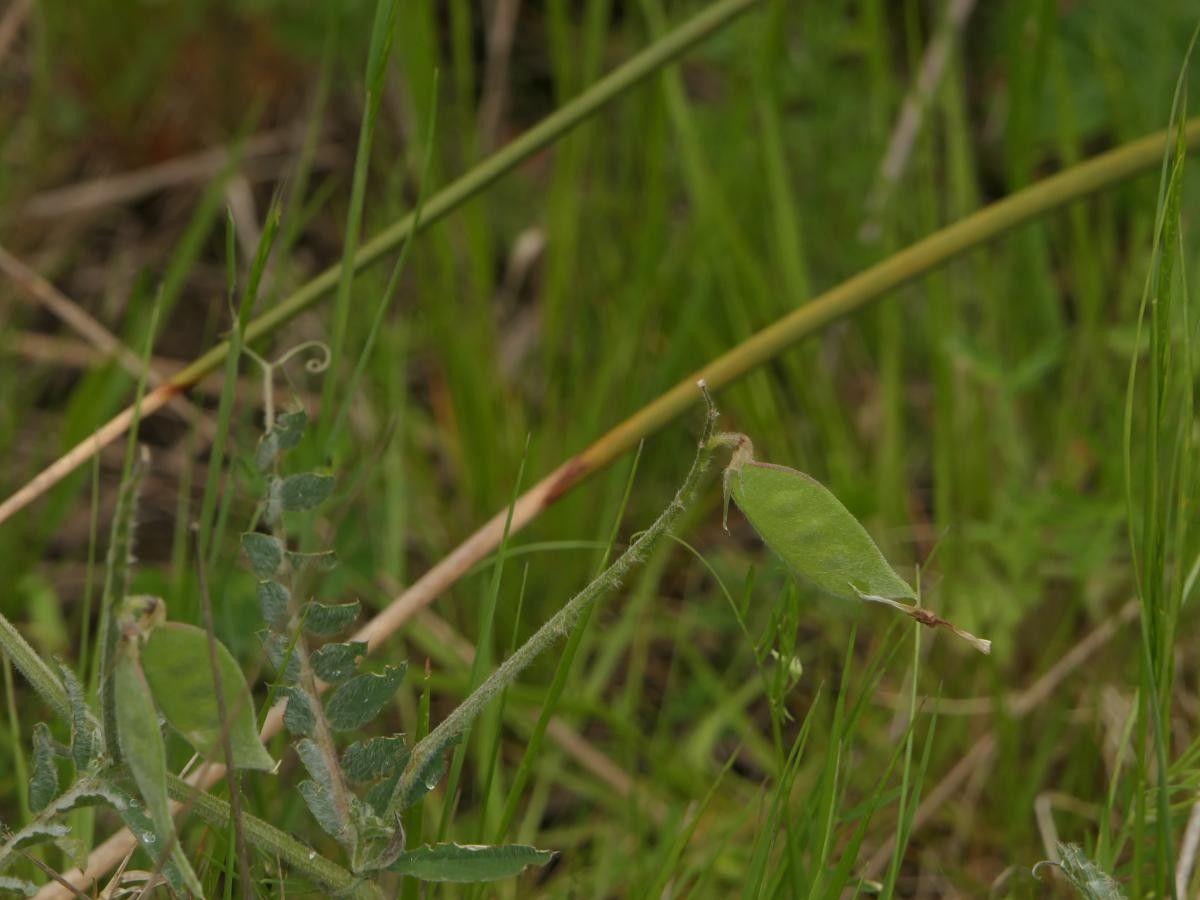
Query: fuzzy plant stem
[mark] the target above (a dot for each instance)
(34, 668)
(272, 841)
(557, 626)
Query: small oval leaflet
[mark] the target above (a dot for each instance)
(298, 716)
(264, 552)
(176, 662)
(374, 758)
(817, 537)
(285, 434)
(324, 620)
(304, 491)
(273, 603)
(334, 663)
(359, 700)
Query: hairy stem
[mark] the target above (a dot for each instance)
(34, 668)
(557, 626)
(270, 840)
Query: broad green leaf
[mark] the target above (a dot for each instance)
(469, 862)
(264, 552)
(284, 435)
(177, 666)
(273, 604)
(305, 491)
(323, 620)
(43, 780)
(811, 531)
(335, 663)
(142, 746)
(360, 699)
(818, 538)
(298, 714)
(375, 758)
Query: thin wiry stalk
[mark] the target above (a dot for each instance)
(557, 626)
(474, 182)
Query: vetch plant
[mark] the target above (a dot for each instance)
(816, 536)
(1089, 881)
(152, 670)
(357, 790)
(353, 791)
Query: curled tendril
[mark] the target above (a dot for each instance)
(315, 364)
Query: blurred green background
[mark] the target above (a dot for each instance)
(973, 420)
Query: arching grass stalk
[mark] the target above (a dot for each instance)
(646, 63)
(556, 627)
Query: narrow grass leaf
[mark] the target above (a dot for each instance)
(469, 862)
(382, 32)
(176, 662)
(360, 699)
